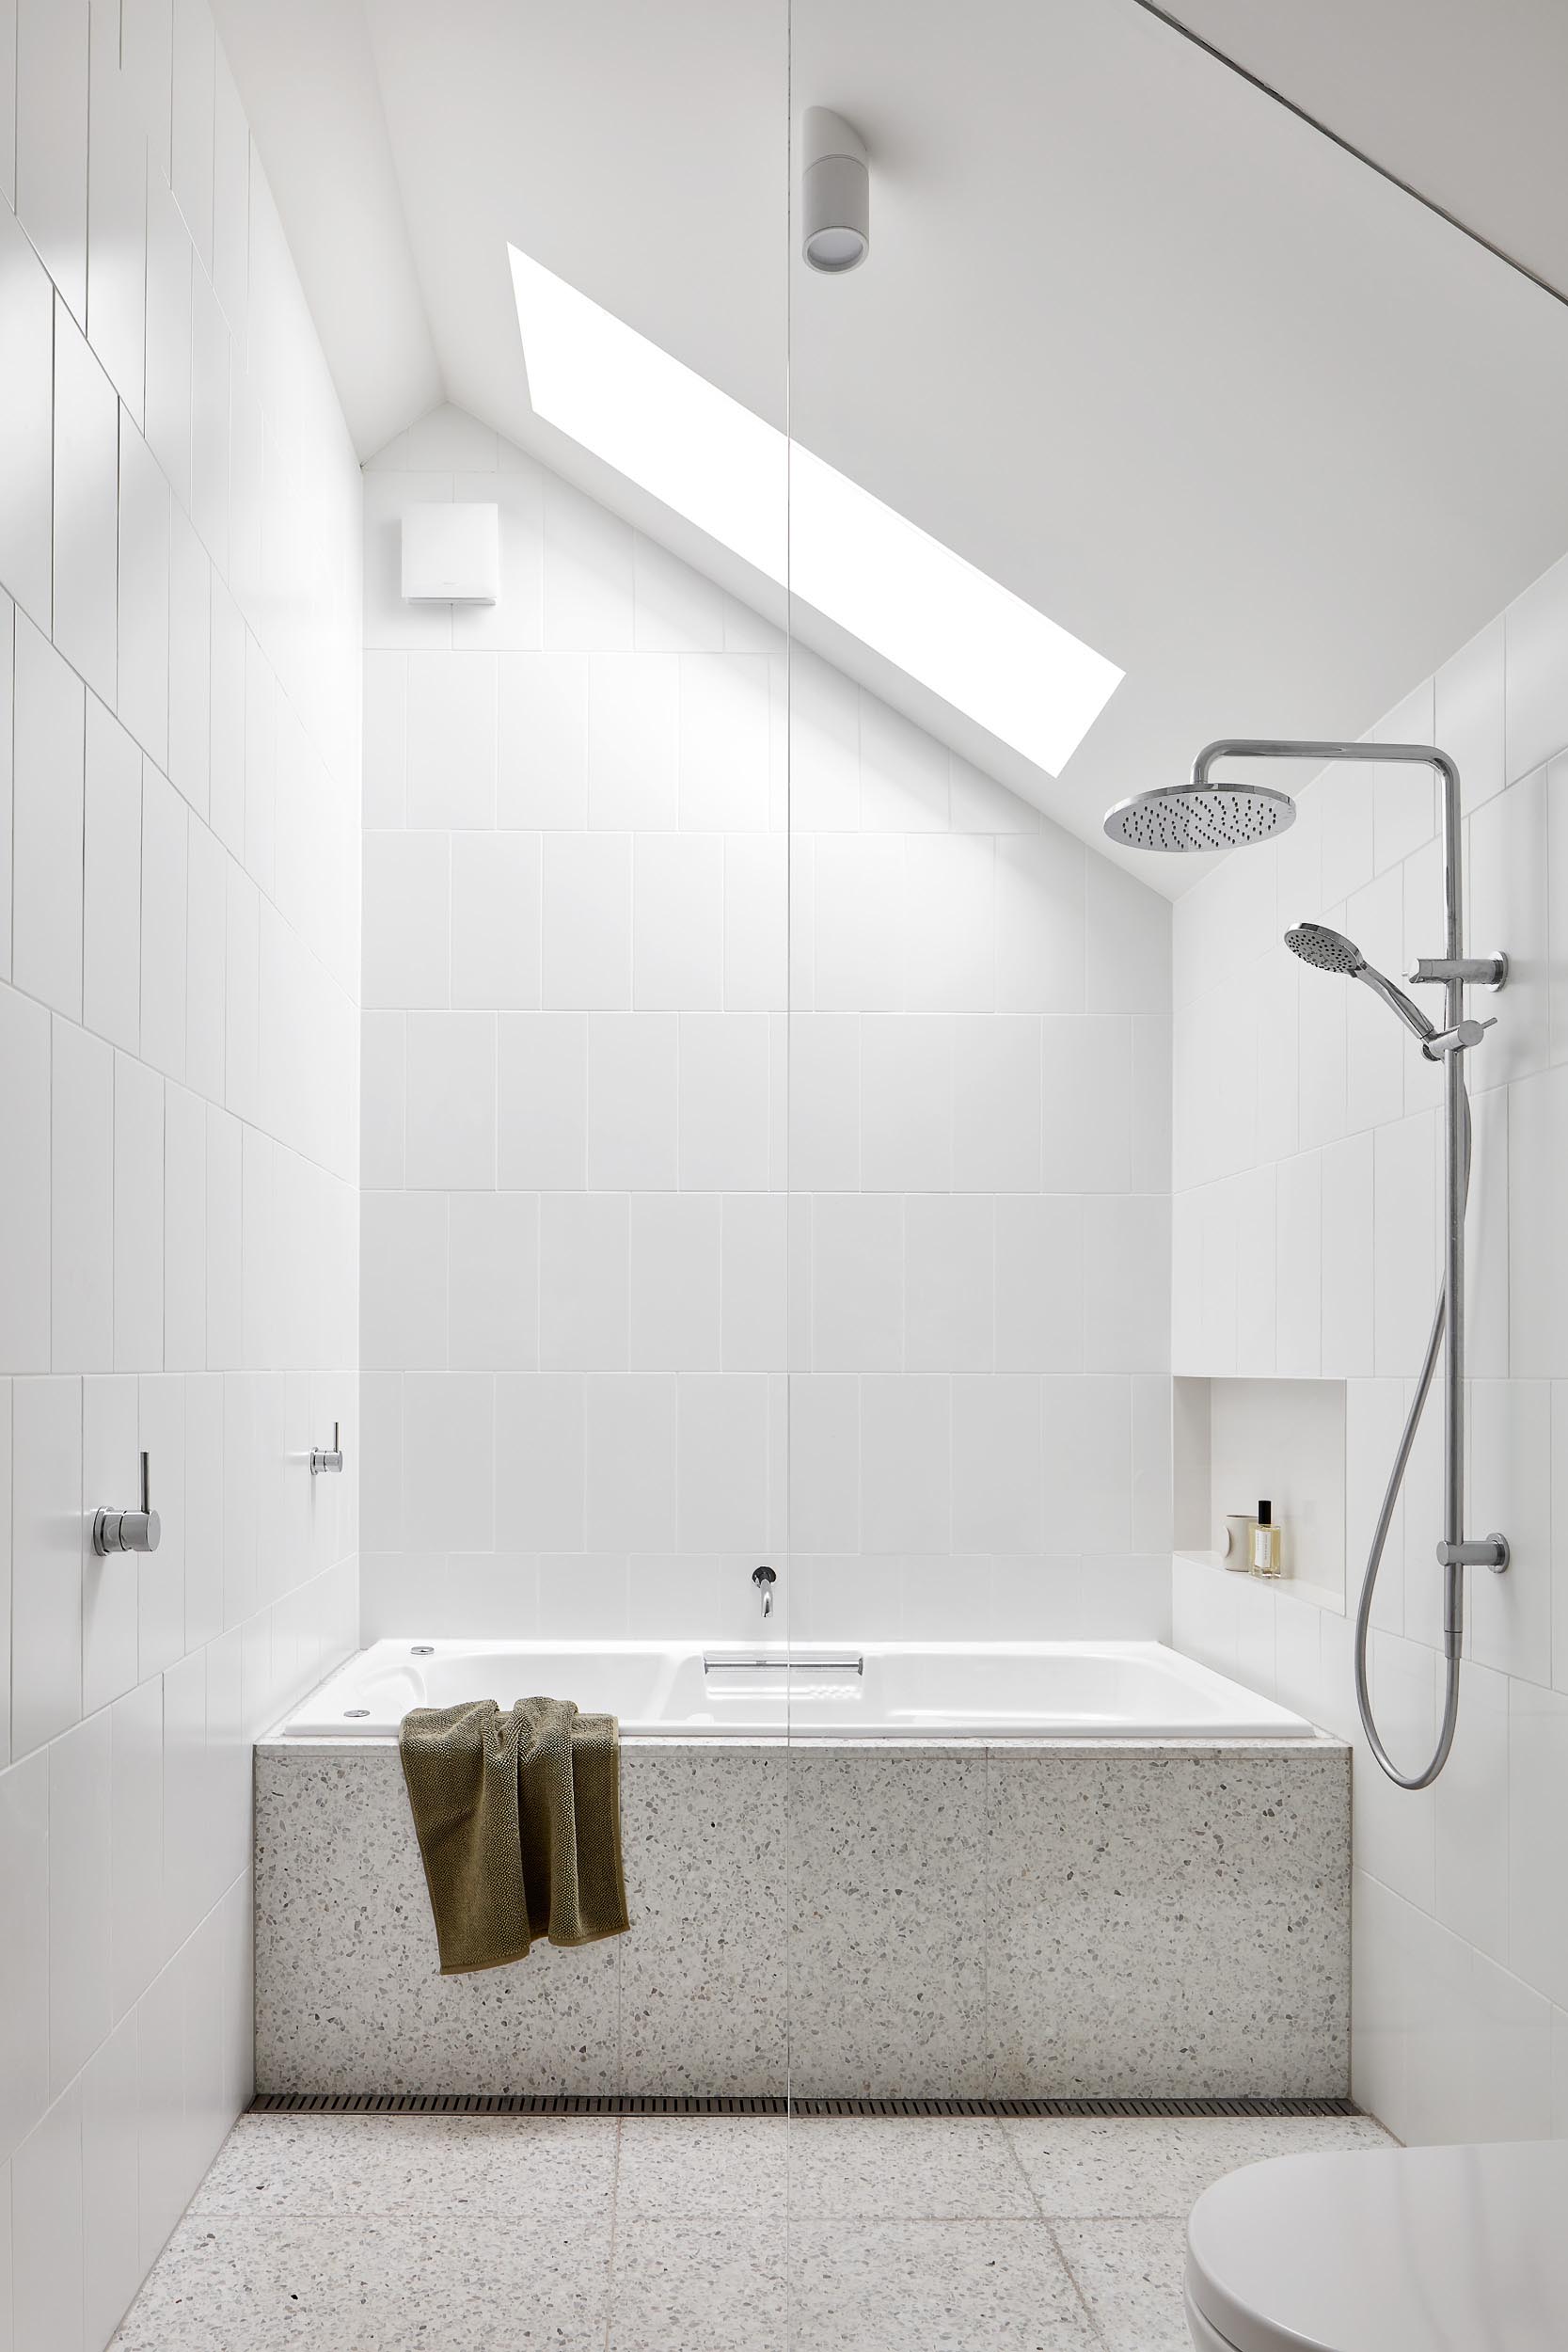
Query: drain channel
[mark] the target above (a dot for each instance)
(658, 2103)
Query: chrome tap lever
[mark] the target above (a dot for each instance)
(128, 1530)
(765, 1580)
(328, 1457)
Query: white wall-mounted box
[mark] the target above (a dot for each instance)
(451, 554)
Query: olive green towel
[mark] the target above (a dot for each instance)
(518, 1818)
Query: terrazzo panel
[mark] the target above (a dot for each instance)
(1085, 1919)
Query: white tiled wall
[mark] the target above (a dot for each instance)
(180, 616)
(746, 1082)
(1307, 1235)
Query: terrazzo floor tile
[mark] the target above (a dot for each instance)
(697, 2167)
(1129, 2273)
(513, 2166)
(905, 2168)
(229, 2284)
(703, 2286)
(1151, 2165)
(931, 2287)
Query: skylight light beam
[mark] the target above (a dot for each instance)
(956, 631)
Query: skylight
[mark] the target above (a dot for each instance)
(960, 633)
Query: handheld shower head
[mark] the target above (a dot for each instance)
(1331, 951)
(1326, 950)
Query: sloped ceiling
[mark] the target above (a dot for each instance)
(1132, 339)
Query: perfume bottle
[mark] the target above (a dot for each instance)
(1266, 1542)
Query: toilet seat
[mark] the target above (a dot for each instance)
(1399, 2249)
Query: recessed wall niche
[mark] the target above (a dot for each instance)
(1235, 1440)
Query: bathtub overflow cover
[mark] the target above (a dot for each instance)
(356, 1710)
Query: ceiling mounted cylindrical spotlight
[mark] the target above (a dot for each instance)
(835, 193)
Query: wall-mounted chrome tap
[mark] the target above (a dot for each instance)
(323, 1458)
(128, 1530)
(765, 1580)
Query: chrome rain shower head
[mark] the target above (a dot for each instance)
(1326, 950)
(1185, 816)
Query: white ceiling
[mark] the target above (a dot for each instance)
(1132, 339)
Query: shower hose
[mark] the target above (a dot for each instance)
(1379, 1536)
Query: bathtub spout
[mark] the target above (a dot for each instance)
(765, 1580)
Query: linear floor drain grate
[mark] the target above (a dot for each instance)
(655, 2103)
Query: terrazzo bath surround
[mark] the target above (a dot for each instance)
(1077, 1918)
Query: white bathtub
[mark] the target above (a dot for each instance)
(873, 1689)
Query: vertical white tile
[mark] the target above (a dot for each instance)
(111, 881)
(540, 1456)
(724, 744)
(223, 1284)
(24, 1176)
(583, 1275)
(1468, 713)
(117, 223)
(725, 1101)
(906, 1464)
(46, 940)
(949, 1244)
(169, 268)
(47, 2230)
(226, 748)
(675, 1282)
(543, 1096)
(587, 921)
(1538, 1252)
(80, 1201)
(112, 2255)
(677, 922)
(452, 738)
(46, 1560)
(407, 920)
(907, 1103)
(996, 1103)
(206, 962)
(824, 1464)
(722, 1463)
(86, 469)
(756, 910)
(7, 742)
(190, 665)
(857, 1262)
(110, 1477)
(1298, 1277)
(402, 1261)
(1535, 696)
(493, 1286)
(754, 1271)
(824, 1088)
(160, 1574)
(950, 923)
(52, 139)
(1127, 1283)
(1347, 1259)
(26, 421)
(163, 910)
(675, 609)
(1086, 1449)
(191, 117)
(452, 1100)
(1508, 877)
(1510, 1489)
(998, 1489)
(542, 778)
(1040, 1285)
(1041, 933)
(632, 1099)
(25, 1953)
(1537, 1834)
(633, 741)
(859, 924)
(495, 919)
(184, 1230)
(1087, 1093)
(143, 621)
(632, 1463)
(79, 1905)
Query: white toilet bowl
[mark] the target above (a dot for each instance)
(1398, 2249)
